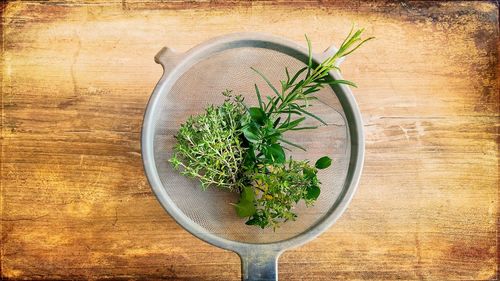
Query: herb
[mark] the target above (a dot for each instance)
(246, 205)
(323, 162)
(240, 148)
(209, 146)
(278, 188)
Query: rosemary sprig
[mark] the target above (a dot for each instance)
(271, 119)
(294, 89)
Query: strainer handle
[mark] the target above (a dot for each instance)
(259, 265)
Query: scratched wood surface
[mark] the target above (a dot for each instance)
(76, 77)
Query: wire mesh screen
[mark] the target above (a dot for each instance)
(200, 86)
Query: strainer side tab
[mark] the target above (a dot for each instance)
(168, 59)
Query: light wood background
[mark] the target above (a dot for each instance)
(76, 77)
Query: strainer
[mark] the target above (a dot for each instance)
(193, 80)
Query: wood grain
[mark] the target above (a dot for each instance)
(76, 77)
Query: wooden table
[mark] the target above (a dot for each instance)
(76, 77)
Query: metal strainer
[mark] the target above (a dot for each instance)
(194, 80)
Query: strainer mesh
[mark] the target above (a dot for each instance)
(200, 86)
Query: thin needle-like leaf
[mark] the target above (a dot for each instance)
(292, 144)
(297, 75)
(298, 86)
(312, 115)
(268, 83)
(346, 82)
(292, 124)
(348, 37)
(273, 106)
(304, 128)
(290, 111)
(309, 50)
(359, 45)
(310, 91)
(258, 96)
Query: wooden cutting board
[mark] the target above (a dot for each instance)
(76, 77)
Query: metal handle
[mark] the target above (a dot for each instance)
(259, 265)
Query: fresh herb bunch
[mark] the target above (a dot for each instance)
(279, 187)
(240, 148)
(209, 146)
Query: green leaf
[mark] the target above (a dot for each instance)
(308, 98)
(336, 68)
(258, 220)
(313, 192)
(275, 153)
(292, 144)
(258, 96)
(268, 105)
(250, 158)
(323, 162)
(245, 208)
(257, 114)
(275, 139)
(297, 75)
(283, 85)
(312, 115)
(273, 134)
(298, 86)
(268, 83)
(252, 221)
(304, 128)
(309, 50)
(311, 90)
(346, 82)
(273, 103)
(290, 112)
(251, 133)
(359, 45)
(276, 122)
(348, 36)
(293, 124)
(309, 173)
(247, 194)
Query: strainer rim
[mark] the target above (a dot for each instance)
(250, 39)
